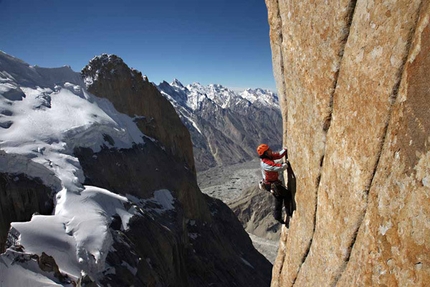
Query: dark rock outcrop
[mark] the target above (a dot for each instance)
(20, 197)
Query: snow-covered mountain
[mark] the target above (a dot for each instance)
(45, 114)
(225, 126)
(194, 94)
(86, 195)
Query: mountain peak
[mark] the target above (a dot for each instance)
(105, 66)
(105, 58)
(218, 87)
(177, 83)
(196, 85)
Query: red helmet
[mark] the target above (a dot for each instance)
(262, 148)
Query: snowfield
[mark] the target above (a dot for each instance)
(44, 115)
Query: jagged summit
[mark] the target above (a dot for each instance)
(217, 87)
(177, 83)
(224, 97)
(264, 97)
(107, 65)
(105, 58)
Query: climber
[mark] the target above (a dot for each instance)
(271, 182)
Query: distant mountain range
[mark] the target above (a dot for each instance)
(225, 126)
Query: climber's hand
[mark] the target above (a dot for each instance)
(286, 152)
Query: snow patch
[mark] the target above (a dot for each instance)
(165, 199)
(192, 122)
(161, 202)
(77, 235)
(47, 125)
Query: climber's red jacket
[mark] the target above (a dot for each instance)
(270, 169)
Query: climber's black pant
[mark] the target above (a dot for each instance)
(282, 197)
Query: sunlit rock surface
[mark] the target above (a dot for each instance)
(355, 100)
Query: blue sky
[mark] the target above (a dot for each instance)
(208, 41)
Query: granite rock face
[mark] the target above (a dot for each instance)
(355, 100)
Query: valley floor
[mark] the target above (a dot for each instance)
(227, 183)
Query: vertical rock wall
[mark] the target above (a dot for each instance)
(355, 101)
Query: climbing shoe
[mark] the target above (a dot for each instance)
(287, 222)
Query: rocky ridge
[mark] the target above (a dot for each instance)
(354, 99)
